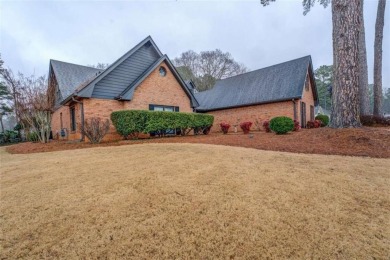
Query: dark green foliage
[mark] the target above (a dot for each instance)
(281, 125)
(133, 122)
(32, 137)
(324, 119)
(129, 122)
(324, 76)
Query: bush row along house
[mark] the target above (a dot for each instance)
(144, 78)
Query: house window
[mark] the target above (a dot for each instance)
(166, 109)
(303, 115)
(72, 119)
(163, 72)
(61, 125)
(163, 108)
(312, 113)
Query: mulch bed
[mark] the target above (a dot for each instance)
(365, 141)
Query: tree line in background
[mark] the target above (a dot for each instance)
(324, 77)
(206, 67)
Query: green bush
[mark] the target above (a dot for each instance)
(129, 122)
(281, 124)
(32, 136)
(133, 122)
(324, 119)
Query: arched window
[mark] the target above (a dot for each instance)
(163, 72)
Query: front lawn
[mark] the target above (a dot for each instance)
(193, 201)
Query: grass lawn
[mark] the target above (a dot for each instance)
(193, 201)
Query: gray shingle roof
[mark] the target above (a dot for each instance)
(279, 82)
(70, 76)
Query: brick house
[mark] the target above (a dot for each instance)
(285, 89)
(144, 78)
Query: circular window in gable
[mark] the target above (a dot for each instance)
(163, 72)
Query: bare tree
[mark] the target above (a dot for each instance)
(380, 22)
(101, 66)
(35, 105)
(207, 67)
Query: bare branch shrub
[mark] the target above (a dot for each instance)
(95, 129)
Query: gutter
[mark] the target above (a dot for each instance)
(82, 117)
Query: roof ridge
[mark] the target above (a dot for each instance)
(75, 64)
(266, 67)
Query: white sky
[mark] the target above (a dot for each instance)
(88, 32)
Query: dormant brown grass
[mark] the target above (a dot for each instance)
(152, 201)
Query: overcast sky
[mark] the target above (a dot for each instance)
(101, 31)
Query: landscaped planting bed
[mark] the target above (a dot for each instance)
(365, 141)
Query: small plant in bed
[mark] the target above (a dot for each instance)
(266, 126)
(324, 119)
(281, 125)
(246, 127)
(224, 127)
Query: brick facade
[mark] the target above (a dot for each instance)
(155, 89)
(159, 90)
(263, 112)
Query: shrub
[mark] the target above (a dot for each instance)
(371, 120)
(297, 126)
(95, 129)
(32, 136)
(133, 122)
(225, 127)
(281, 124)
(266, 126)
(129, 122)
(246, 127)
(324, 119)
(313, 124)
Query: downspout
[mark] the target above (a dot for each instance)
(82, 117)
(295, 108)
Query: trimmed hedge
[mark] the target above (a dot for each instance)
(281, 125)
(133, 122)
(323, 118)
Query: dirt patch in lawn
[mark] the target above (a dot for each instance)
(158, 201)
(365, 141)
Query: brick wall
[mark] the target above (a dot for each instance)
(251, 113)
(155, 89)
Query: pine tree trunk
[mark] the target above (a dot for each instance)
(364, 98)
(380, 22)
(345, 91)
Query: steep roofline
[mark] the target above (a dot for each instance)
(87, 90)
(75, 64)
(127, 94)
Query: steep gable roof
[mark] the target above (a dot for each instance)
(284, 81)
(69, 76)
(128, 93)
(88, 89)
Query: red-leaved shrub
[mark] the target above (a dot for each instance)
(297, 126)
(246, 127)
(225, 127)
(266, 126)
(313, 124)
